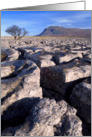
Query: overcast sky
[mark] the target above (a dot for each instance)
(36, 21)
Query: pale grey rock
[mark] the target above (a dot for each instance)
(73, 126)
(85, 51)
(48, 57)
(47, 63)
(69, 57)
(9, 67)
(8, 85)
(42, 130)
(46, 117)
(55, 77)
(71, 110)
(43, 115)
(12, 54)
(37, 50)
(25, 84)
(76, 73)
(47, 112)
(26, 130)
(5, 71)
(38, 130)
(31, 84)
(59, 129)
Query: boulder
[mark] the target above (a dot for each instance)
(16, 113)
(81, 100)
(47, 112)
(52, 78)
(81, 51)
(31, 84)
(26, 83)
(12, 54)
(46, 63)
(27, 130)
(11, 67)
(55, 78)
(43, 115)
(69, 57)
(38, 130)
(77, 72)
(69, 124)
(72, 126)
(6, 71)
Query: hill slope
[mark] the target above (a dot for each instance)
(66, 32)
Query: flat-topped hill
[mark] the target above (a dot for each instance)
(57, 31)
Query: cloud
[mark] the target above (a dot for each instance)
(83, 15)
(75, 18)
(36, 21)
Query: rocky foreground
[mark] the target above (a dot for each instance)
(46, 87)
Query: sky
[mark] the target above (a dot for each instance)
(36, 21)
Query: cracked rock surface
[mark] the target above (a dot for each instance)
(46, 87)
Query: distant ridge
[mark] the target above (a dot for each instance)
(56, 31)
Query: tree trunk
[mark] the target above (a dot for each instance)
(15, 37)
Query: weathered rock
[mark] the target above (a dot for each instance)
(12, 54)
(25, 84)
(11, 67)
(71, 110)
(38, 130)
(33, 57)
(42, 130)
(51, 94)
(81, 100)
(52, 78)
(85, 51)
(72, 126)
(55, 77)
(3, 56)
(43, 115)
(47, 57)
(69, 57)
(77, 72)
(16, 113)
(47, 63)
(31, 84)
(59, 128)
(26, 130)
(37, 50)
(47, 112)
(5, 71)
(20, 115)
(8, 85)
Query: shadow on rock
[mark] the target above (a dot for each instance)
(16, 113)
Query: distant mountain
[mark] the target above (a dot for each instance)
(56, 31)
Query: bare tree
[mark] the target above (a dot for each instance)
(16, 31)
